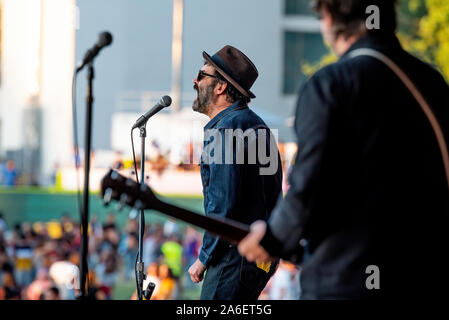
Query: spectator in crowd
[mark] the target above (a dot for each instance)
(23, 254)
(51, 293)
(107, 271)
(110, 221)
(9, 174)
(129, 253)
(40, 285)
(3, 224)
(97, 228)
(6, 265)
(65, 274)
(191, 248)
(97, 291)
(9, 289)
(2, 168)
(170, 227)
(111, 239)
(172, 254)
(283, 285)
(168, 285)
(153, 276)
(152, 244)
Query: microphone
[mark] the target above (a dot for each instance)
(163, 103)
(104, 39)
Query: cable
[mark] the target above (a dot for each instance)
(75, 140)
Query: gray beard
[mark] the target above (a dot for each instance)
(201, 104)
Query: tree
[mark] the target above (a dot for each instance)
(433, 40)
(423, 30)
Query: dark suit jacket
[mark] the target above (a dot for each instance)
(368, 185)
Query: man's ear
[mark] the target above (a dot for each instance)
(220, 88)
(327, 17)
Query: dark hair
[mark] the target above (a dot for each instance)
(350, 15)
(54, 290)
(232, 94)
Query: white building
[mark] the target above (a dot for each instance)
(42, 39)
(37, 60)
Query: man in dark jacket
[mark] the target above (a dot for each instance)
(367, 210)
(239, 182)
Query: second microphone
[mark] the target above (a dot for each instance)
(163, 103)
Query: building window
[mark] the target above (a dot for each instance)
(303, 43)
(300, 48)
(295, 7)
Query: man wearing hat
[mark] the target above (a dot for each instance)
(233, 190)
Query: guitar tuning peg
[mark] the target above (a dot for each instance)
(114, 175)
(107, 196)
(122, 203)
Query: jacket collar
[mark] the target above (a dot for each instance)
(236, 105)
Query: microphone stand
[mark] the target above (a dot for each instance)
(85, 214)
(140, 272)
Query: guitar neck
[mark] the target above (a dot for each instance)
(229, 230)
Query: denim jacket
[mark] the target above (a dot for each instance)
(236, 191)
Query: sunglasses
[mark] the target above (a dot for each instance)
(202, 74)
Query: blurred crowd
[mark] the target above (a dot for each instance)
(40, 261)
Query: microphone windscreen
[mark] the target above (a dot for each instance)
(104, 39)
(166, 101)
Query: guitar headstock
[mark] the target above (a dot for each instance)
(117, 187)
(114, 186)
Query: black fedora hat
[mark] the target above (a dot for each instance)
(235, 67)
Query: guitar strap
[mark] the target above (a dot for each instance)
(417, 95)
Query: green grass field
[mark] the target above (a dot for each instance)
(33, 204)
